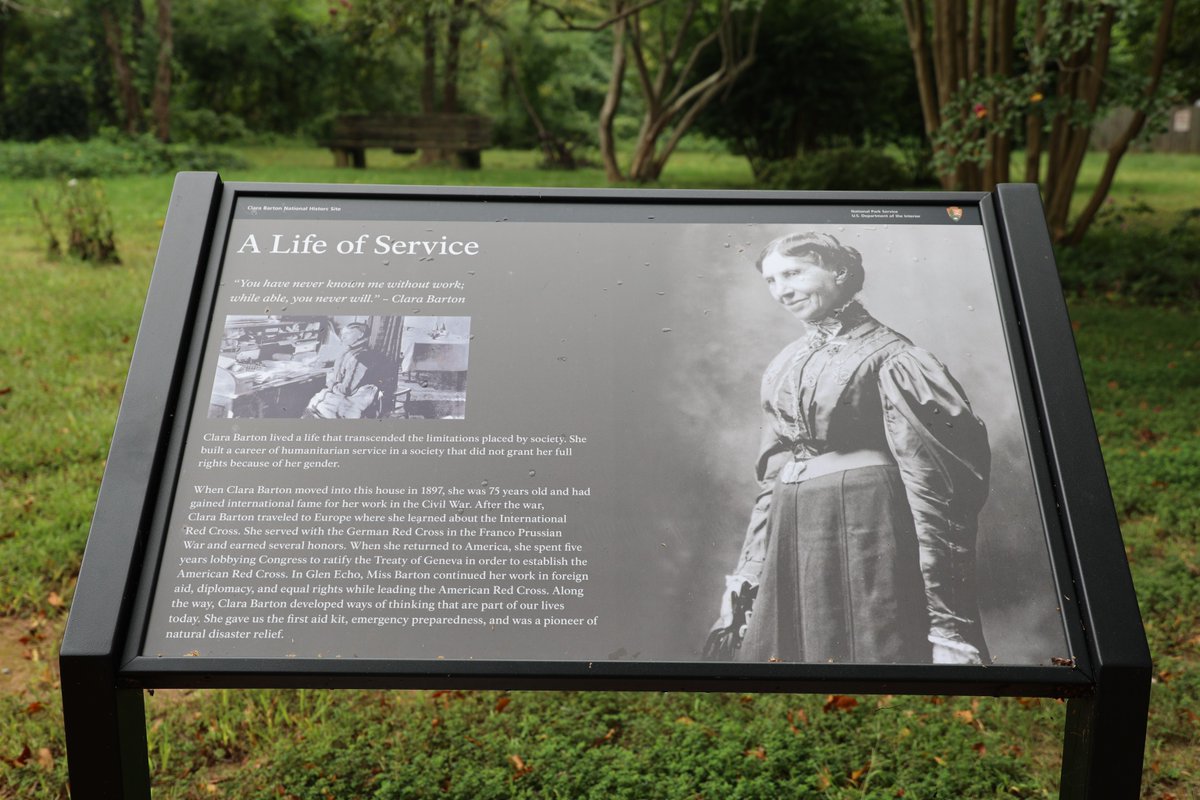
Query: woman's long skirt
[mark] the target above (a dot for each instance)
(842, 580)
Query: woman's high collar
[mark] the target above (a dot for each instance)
(842, 319)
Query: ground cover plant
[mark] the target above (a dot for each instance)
(68, 332)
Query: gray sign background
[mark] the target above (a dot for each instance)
(649, 340)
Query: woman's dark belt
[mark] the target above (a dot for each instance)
(803, 469)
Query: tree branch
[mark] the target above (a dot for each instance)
(1162, 41)
(569, 25)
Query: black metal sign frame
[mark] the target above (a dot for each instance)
(1105, 677)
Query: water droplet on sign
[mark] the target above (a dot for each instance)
(666, 330)
(562, 358)
(483, 483)
(532, 473)
(970, 308)
(726, 244)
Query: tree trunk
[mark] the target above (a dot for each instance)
(4, 12)
(454, 30)
(1162, 42)
(612, 97)
(918, 42)
(429, 78)
(428, 63)
(1033, 120)
(1074, 139)
(131, 107)
(673, 100)
(160, 104)
(555, 151)
(137, 22)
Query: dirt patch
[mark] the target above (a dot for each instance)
(29, 651)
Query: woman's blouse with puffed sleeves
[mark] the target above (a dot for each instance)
(854, 384)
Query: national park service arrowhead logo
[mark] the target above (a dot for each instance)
(954, 213)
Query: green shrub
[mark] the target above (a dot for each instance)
(79, 210)
(205, 126)
(108, 156)
(47, 105)
(838, 168)
(1134, 254)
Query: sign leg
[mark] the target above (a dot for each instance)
(106, 742)
(1104, 740)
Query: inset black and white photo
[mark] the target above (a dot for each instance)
(341, 367)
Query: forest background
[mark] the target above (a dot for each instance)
(102, 101)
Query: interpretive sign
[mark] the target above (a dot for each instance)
(413, 437)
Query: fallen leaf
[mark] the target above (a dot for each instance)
(607, 737)
(966, 716)
(685, 720)
(54, 600)
(33, 707)
(858, 773)
(502, 703)
(20, 760)
(980, 748)
(941, 761)
(839, 702)
(520, 766)
(759, 752)
(45, 758)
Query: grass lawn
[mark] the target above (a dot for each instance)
(68, 335)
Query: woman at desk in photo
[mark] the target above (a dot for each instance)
(872, 471)
(357, 382)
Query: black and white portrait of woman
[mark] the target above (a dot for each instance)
(872, 471)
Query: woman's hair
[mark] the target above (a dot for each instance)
(359, 331)
(825, 250)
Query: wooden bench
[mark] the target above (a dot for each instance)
(463, 135)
